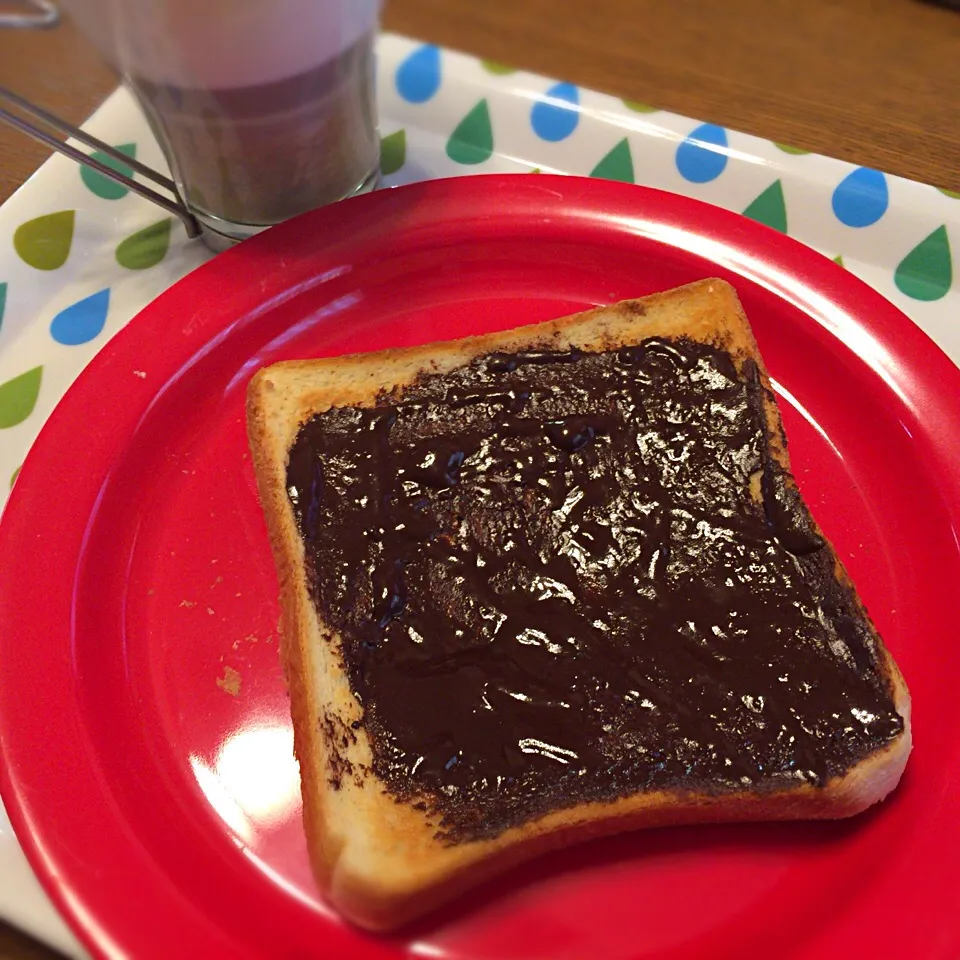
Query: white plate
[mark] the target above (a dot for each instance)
(445, 114)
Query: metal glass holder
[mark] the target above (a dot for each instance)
(172, 204)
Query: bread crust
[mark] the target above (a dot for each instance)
(378, 860)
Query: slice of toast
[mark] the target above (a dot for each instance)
(385, 854)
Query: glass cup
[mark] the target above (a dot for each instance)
(263, 108)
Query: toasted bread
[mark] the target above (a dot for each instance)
(379, 857)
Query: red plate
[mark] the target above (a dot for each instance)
(143, 718)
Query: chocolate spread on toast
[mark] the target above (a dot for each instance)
(553, 585)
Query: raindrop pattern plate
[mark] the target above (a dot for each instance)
(79, 256)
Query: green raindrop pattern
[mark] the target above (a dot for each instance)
(472, 140)
(769, 208)
(926, 272)
(393, 152)
(18, 397)
(497, 69)
(44, 242)
(102, 186)
(787, 148)
(145, 248)
(616, 165)
(638, 107)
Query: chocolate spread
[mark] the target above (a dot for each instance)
(553, 585)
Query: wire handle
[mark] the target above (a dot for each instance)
(174, 205)
(45, 15)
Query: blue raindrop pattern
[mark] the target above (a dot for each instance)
(556, 116)
(861, 198)
(418, 76)
(81, 321)
(702, 156)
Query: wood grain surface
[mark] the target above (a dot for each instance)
(874, 82)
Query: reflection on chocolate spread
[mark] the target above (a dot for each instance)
(553, 585)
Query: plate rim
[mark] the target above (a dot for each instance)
(611, 205)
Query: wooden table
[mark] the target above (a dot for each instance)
(874, 82)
